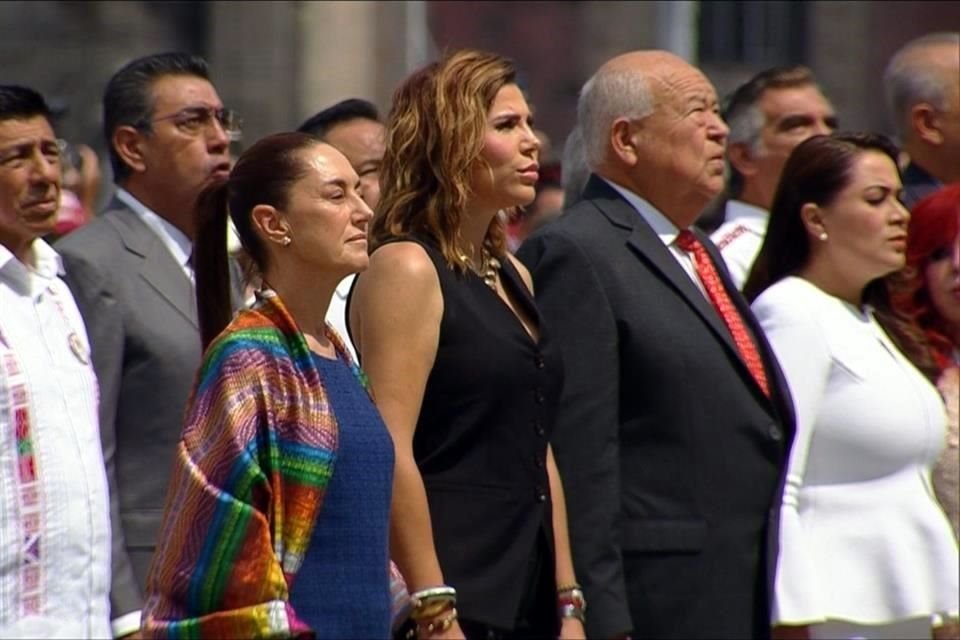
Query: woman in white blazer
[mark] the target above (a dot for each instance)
(865, 550)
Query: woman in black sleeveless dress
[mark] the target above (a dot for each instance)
(463, 371)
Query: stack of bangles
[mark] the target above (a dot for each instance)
(571, 603)
(434, 609)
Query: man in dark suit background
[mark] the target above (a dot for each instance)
(130, 271)
(670, 445)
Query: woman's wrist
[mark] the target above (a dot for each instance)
(433, 610)
(571, 603)
(440, 623)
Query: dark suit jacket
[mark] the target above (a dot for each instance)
(140, 312)
(671, 456)
(917, 184)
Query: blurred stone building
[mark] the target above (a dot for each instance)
(278, 61)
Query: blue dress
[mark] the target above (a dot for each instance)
(343, 587)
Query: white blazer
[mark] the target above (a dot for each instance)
(863, 538)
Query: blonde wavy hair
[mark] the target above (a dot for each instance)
(435, 133)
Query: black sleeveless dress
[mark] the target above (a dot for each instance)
(480, 444)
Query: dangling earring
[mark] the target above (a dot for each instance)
(823, 236)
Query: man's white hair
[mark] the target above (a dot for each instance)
(909, 79)
(606, 96)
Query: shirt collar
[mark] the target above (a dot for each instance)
(173, 238)
(43, 262)
(750, 216)
(661, 225)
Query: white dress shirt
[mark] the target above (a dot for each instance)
(862, 538)
(54, 507)
(740, 237)
(665, 230)
(337, 312)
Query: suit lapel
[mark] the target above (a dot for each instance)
(160, 270)
(649, 248)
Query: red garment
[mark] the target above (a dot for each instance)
(71, 214)
(724, 306)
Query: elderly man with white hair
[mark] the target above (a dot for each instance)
(675, 423)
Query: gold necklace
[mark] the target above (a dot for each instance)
(488, 269)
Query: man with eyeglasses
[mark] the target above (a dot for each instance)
(168, 135)
(54, 507)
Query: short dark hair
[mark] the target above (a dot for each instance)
(20, 103)
(320, 124)
(127, 100)
(741, 113)
(818, 169)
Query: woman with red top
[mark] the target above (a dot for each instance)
(925, 296)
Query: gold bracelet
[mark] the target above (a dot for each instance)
(431, 602)
(441, 625)
(568, 587)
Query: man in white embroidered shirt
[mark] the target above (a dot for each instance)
(54, 508)
(168, 135)
(768, 116)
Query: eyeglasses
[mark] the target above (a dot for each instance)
(196, 120)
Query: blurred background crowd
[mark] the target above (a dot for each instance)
(277, 63)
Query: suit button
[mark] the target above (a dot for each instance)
(541, 495)
(539, 361)
(775, 433)
(538, 396)
(537, 460)
(538, 429)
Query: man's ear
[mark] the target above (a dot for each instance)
(623, 141)
(741, 158)
(128, 143)
(925, 121)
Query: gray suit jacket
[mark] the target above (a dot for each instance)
(140, 312)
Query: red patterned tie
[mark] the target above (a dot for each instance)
(724, 306)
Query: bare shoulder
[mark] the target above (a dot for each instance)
(405, 261)
(401, 278)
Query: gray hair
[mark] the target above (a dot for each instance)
(745, 127)
(574, 172)
(741, 110)
(909, 79)
(743, 116)
(606, 96)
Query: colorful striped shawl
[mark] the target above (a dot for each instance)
(254, 460)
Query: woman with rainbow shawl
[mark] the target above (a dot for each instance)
(276, 521)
